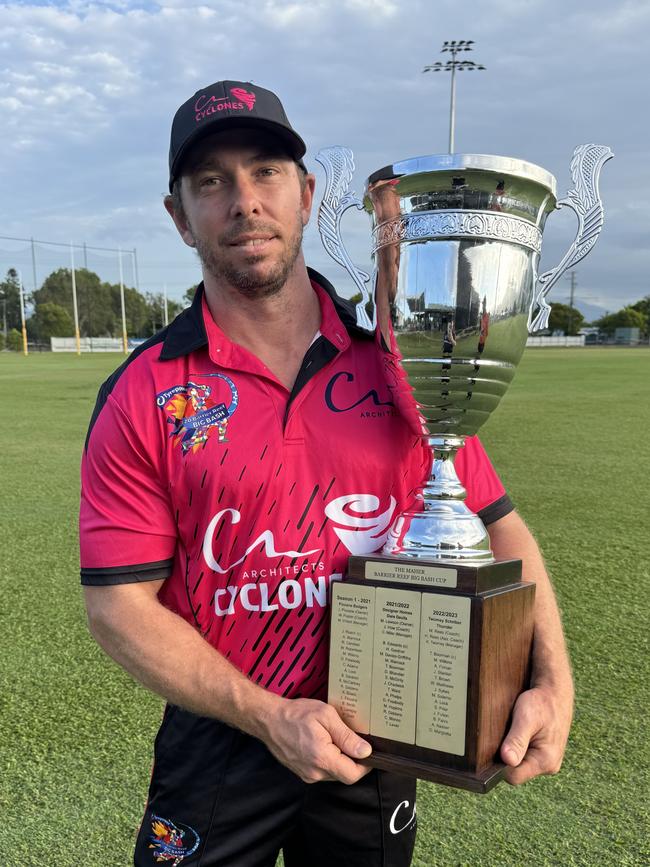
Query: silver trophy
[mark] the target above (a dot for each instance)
(455, 291)
(431, 638)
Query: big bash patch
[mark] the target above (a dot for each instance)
(198, 411)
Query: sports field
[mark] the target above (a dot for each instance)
(570, 440)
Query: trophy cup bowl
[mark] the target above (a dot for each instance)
(431, 637)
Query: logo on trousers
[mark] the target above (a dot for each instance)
(172, 843)
(398, 823)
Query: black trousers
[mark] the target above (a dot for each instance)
(218, 797)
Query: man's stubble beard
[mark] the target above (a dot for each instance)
(241, 279)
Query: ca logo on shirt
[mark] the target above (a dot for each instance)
(342, 395)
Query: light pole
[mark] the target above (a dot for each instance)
(125, 343)
(75, 308)
(22, 312)
(3, 296)
(454, 47)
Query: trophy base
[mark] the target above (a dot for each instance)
(427, 659)
(480, 782)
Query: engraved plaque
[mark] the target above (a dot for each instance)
(394, 676)
(429, 675)
(443, 674)
(351, 652)
(412, 573)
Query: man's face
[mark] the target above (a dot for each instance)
(244, 209)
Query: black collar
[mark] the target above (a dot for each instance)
(187, 332)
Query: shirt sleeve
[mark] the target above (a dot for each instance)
(126, 526)
(486, 495)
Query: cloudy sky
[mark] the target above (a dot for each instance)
(88, 90)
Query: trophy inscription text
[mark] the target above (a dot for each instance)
(442, 681)
(413, 573)
(351, 668)
(394, 674)
(401, 664)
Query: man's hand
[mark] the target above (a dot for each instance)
(542, 715)
(311, 739)
(172, 659)
(537, 738)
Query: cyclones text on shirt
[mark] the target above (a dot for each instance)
(360, 534)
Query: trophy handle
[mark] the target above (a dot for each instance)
(338, 163)
(584, 200)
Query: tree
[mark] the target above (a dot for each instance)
(50, 320)
(10, 300)
(94, 300)
(565, 318)
(136, 312)
(189, 294)
(628, 317)
(15, 340)
(643, 307)
(99, 305)
(2, 341)
(156, 303)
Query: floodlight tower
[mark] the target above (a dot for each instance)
(454, 47)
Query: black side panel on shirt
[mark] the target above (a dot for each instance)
(498, 509)
(127, 574)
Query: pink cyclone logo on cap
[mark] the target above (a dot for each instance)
(206, 105)
(244, 95)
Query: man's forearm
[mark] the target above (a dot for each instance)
(510, 538)
(542, 715)
(169, 657)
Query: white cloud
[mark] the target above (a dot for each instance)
(385, 8)
(88, 90)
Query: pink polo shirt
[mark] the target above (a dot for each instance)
(201, 468)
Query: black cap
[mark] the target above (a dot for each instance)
(225, 105)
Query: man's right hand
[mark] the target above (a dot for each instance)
(171, 658)
(311, 739)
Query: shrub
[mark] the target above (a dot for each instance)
(15, 340)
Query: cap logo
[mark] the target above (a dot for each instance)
(244, 96)
(206, 105)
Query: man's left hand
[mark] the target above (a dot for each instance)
(541, 718)
(538, 734)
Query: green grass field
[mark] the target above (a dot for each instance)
(570, 440)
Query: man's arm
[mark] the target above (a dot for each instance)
(171, 658)
(542, 715)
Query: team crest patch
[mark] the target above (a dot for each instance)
(199, 411)
(172, 843)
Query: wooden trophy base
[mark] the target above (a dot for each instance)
(480, 782)
(427, 659)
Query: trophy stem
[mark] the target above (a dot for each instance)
(443, 528)
(443, 482)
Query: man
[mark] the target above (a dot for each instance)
(232, 465)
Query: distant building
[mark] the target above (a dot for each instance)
(627, 336)
(592, 335)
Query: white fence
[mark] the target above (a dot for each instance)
(562, 340)
(91, 344)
